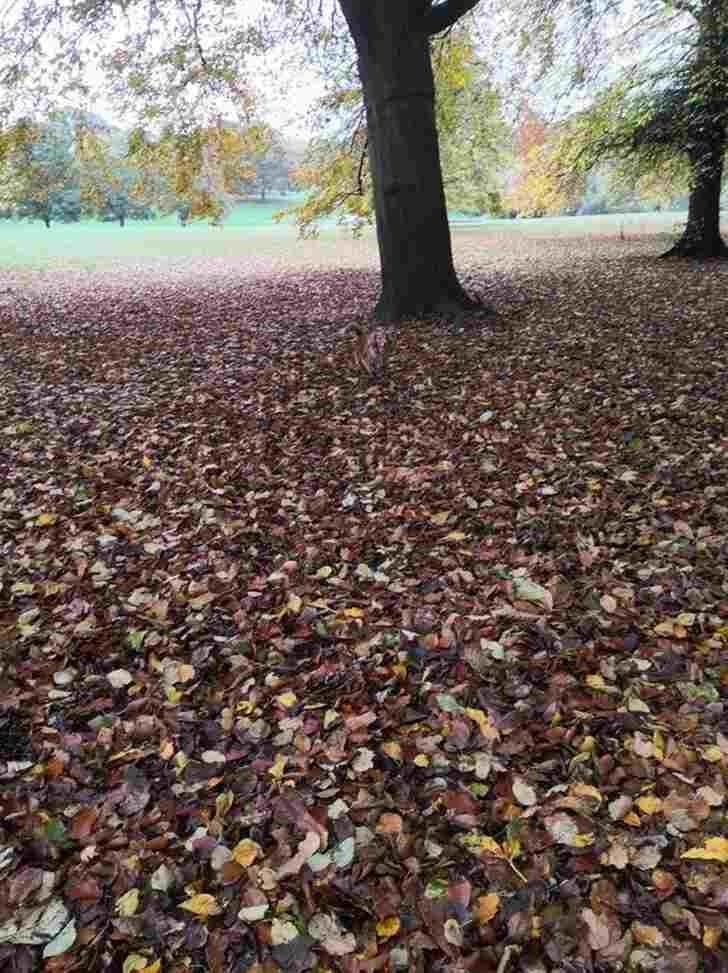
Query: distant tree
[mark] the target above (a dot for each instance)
(474, 136)
(267, 161)
(39, 177)
(540, 185)
(111, 187)
(197, 173)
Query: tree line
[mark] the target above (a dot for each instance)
(71, 165)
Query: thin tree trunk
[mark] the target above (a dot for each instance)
(418, 275)
(701, 237)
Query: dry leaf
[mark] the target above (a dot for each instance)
(486, 907)
(386, 928)
(127, 904)
(714, 849)
(245, 852)
(201, 904)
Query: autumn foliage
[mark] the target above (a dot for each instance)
(541, 186)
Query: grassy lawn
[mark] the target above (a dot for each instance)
(251, 233)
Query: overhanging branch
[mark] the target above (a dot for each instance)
(442, 15)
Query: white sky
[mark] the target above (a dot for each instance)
(284, 96)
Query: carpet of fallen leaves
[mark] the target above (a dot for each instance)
(300, 673)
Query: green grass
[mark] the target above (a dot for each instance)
(91, 243)
(250, 230)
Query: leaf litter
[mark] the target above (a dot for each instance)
(300, 672)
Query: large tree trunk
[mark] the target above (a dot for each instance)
(701, 237)
(418, 275)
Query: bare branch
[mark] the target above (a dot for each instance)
(442, 15)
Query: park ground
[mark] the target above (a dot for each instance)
(304, 673)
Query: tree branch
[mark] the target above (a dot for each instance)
(442, 15)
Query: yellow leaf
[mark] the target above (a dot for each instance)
(294, 604)
(647, 935)
(166, 749)
(486, 907)
(146, 462)
(649, 804)
(139, 964)
(201, 904)
(711, 936)
(133, 962)
(586, 790)
(245, 852)
(180, 760)
(455, 535)
(439, 518)
(714, 849)
(287, 700)
(632, 820)
(278, 768)
(480, 842)
(712, 754)
(421, 760)
(45, 520)
(582, 840)
(596, 681)
(128, 903)
(386, 928)
(393, 750)
(483, 721)
(173, 695)
(354, 613)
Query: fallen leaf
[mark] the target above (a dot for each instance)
(128, 903)
(486, 908)
(649, 804)
(524, 793)
(389, 824)
(245, 852)
(119, 678)
(386, 928)
(714, 849)
(202, 904)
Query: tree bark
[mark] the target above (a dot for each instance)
(393, 48)
(701, 237)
